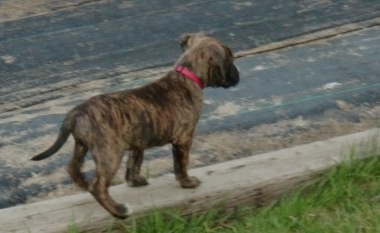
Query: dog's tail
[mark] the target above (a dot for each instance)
(64, 133)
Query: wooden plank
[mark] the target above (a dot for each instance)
(255, 180)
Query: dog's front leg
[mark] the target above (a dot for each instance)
(132, 176)
(181, 161)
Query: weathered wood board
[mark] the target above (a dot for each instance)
(253, 180)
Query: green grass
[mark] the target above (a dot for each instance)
(346, 199)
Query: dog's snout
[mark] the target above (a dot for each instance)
(233, 76)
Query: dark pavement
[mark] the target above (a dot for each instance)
(87, 41)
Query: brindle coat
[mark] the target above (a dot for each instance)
(165, 111)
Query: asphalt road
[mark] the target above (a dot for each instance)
(54, 54)
(83, 40)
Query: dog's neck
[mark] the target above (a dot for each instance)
(190, 75)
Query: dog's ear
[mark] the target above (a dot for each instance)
(190, 39)
(183, 41)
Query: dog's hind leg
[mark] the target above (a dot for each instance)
(107, 162)
(76, 163)
(132, 176)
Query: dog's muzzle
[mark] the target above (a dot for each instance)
(232, 77)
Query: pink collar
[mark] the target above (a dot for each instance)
(190, 75)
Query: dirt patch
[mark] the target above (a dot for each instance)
(284, 134)
(226, 109)
(16, 9)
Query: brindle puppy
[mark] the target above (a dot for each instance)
(165, 111)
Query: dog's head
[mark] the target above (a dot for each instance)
(209, 59)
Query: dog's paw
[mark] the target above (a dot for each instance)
(190, 182)
(137, 182)
(128, 209)
(123, 211)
